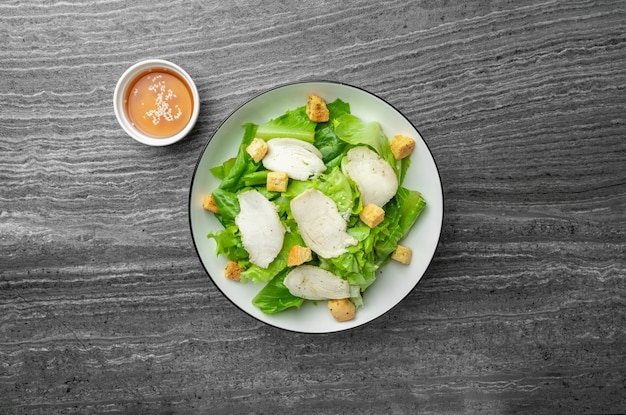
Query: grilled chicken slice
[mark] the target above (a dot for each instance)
(321, 225)
(375, 178)
(262, 232)
(299, 159)
(313, 283)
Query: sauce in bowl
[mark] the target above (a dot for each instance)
(159, 103)
(156, 102)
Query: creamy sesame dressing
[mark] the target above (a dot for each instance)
(159, 104)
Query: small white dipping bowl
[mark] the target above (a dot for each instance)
(120, 106)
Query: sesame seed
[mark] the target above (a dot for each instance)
(163, 108)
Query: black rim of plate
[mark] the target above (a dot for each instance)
(304, 82)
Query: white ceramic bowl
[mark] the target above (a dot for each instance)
(120, 92)
(394, 281)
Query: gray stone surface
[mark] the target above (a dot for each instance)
(104, 306)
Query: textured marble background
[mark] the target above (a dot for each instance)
(104, 306)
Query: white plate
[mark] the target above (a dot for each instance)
(394, 281)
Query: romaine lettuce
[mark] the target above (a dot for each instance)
(292, 124)
(333, 138)
(275, 297)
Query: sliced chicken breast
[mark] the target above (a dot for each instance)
(299, 159)
(313, 283)
(321, 225)
(375, 178)
(262, 232)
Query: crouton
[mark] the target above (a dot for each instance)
(342, 309)
(257, 149)
(316, 109)
(298, 255)
(233, 271)
(402, 254)
(277, 181)
(209, 204)
(402, 146)
(372, 215)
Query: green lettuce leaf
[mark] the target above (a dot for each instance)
(293, 124)
(337, 186)
(242, 165)
(400, 215)
(353, 130)
(256, 274)
(327, 142)
(360, 263)
(228, 241)
(275, 297)
(228, 206)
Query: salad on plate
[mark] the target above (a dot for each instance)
(312, 205)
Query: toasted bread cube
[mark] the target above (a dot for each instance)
(342, 309)
(402, 146)
(372, 215)
(233, 271)
(402, 254)
(298, 255)
(257, 149)
(209, 204)
(277, 181)
(316, 109)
